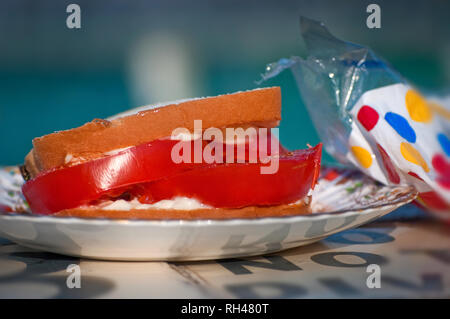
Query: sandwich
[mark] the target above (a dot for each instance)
(202, 158)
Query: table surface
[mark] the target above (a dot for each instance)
(413, 257)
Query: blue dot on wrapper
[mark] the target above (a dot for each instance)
(401, 126)
(445, 143)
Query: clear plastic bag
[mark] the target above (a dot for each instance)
(368, 115)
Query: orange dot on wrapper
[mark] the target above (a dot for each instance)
(412, 155)
(362, 155)
(440, 110)
(417, 107)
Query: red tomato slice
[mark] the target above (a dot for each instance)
(240, 185)
(78, 185)
(109, 176)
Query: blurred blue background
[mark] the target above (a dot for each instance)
(132, 53)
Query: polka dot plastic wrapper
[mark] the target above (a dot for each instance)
(369, 116)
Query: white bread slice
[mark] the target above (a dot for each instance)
(260, 107)
(299, 208)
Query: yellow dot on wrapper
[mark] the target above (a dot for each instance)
(362, 155)
(440, 110)
(412, 155)
(417, 107)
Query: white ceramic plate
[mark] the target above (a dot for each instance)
(347, 201)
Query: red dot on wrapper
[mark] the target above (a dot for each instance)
(444, 183)
(368, 117)
(434, 201)
(415, 175)
(392, 173)
(442, 167)
(440, 164)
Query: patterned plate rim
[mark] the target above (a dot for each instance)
(405, 197)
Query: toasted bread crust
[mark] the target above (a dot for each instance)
(30, 165)
(99, 136)
(214, 213)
